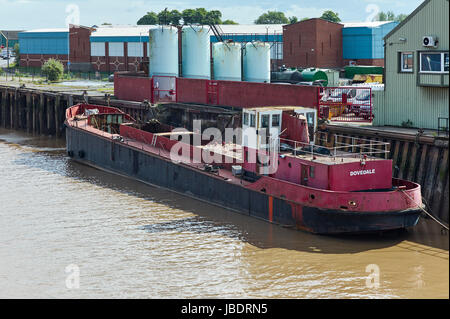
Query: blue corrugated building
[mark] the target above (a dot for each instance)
(363, 42)
(44, 41)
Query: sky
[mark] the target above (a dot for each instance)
(37, 14)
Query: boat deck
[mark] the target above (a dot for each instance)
(340, 158)
(221, 173)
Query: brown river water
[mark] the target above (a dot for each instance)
(71, 231)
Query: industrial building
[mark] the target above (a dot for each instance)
(8, 38)
(37, 46)
(244, 33)
(122, 48)
(362, 42)
(313, 43)
(416, 70)
(118, 48)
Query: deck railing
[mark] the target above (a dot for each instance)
(359, 147)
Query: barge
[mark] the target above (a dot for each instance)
(272, 170)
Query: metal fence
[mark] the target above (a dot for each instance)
(36, 74)
(346, 104)
(164, 89)
(358, 148)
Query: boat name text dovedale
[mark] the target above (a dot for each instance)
(364, 172)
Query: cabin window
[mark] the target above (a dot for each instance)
(252, 120)
(246, 119)
(275, 120)
(265, 120)
(434, 62)
(312, 172)
(406, 62)
(310, 117)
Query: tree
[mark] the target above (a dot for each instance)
(53, 69)
(272, 17)
(387, 16)
(188, 16)
(164, 17)
(229, 22)
(106, 23)
(150, 18)
(17, 51)
(390, 16)
(381, 17)
(293, 20)
(169, 17)
(175, 17)
(331, 16)
(200, 15)
(213, 17)
(304, 19)
(400, 17)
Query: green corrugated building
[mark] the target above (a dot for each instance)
(416, 70)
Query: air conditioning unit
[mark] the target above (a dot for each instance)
(429, 41)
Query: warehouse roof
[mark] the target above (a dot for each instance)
(372, 24)
(252, 28)
(121, 31)
(11, 34)
(135, 31)
(47, 30)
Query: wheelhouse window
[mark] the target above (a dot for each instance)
(265, 120)
(252, 120)
(275, 120)
(434, 62)
(407, 62)
(245, 118)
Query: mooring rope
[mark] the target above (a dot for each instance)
(432, 217)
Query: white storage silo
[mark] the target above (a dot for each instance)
(227, 61)
(196, 52)
(256, 57)
(163, 54)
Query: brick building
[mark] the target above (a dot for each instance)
(80, 48)
(313, 43)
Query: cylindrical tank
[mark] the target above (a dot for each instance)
(196, 53)
(163, 51)
(257, 62)
(288, 76)
(227, 61)
(313, 74)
